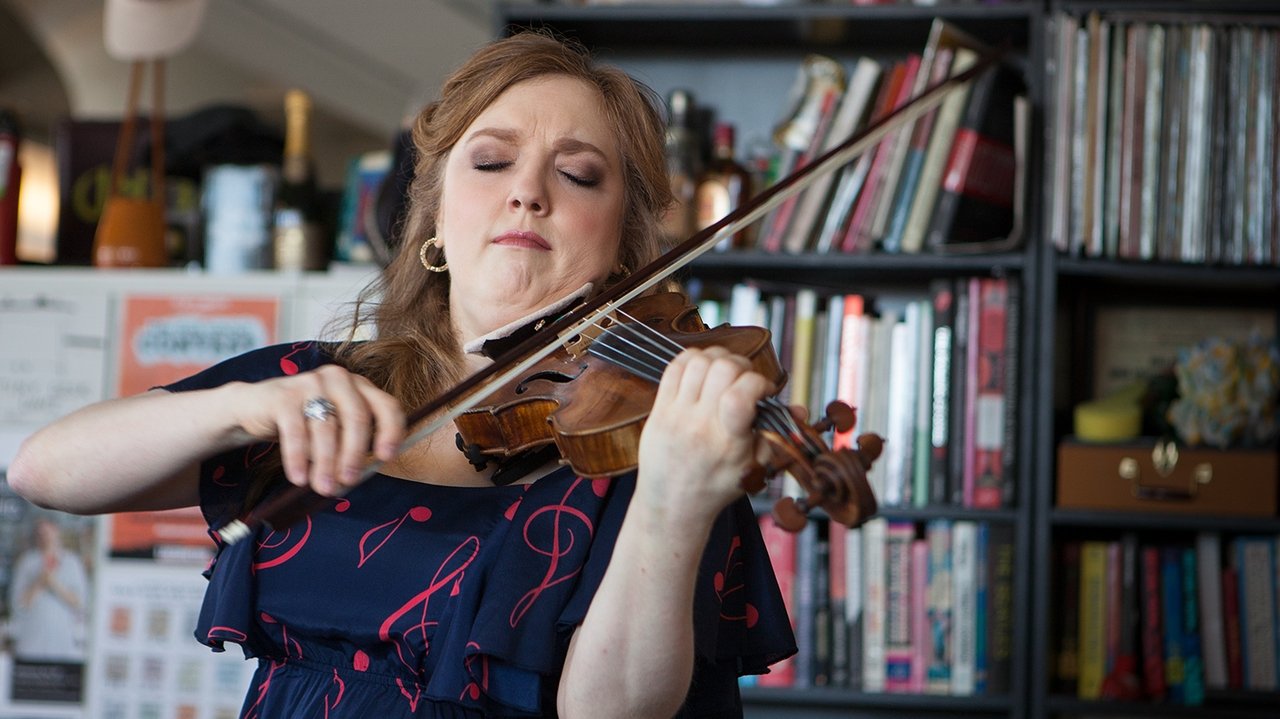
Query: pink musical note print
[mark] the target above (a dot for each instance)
(721, 581)
(253, 711)
(448, 574)
(418, 514)
(562, 543)
(279, 548)
(477, 684)
(291, 646)
(287, 365)
(341, 687)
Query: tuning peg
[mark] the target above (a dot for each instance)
(870, 446)
(754, 479)
(789, 514)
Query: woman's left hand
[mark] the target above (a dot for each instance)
(698, 442)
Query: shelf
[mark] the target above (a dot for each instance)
(842, 269)
(787, 25)
(1151, 520)
(763, 505)
(849, 699)
(1172, 275)
(1071, 705)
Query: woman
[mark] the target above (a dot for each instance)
(47, 598)
(433, 589)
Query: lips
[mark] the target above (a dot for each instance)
(522, 238)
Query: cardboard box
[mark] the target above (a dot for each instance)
(1160, 477)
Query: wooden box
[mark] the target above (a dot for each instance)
(1160, 477)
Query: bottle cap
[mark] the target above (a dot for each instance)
(723, 134)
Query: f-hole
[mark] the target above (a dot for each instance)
(549, 376)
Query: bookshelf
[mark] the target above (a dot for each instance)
(740, 60)
(1087, 271)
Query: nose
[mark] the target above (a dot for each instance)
(529, 192)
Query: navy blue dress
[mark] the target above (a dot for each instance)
(407, 599)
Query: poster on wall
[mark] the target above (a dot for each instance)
(164, 338)
(48, 563)
(53, 351)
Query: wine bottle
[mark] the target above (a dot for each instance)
(723, 187)
(10, 174)
(298, 237)
(683, 165)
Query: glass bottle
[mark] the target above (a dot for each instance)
(683, 165)
(298, 237)
(723, 187)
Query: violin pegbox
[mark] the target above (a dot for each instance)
(834, 480)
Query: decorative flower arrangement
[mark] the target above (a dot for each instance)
(1227, 393)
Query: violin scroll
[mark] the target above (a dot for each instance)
(833, 480)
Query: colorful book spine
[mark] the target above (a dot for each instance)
(1192, 665)
(964, 575)
(874, 605)
(938, 673)
(1153, 681)
(898, 651)
(782, 555)
(1173, 607)
(1093, 619)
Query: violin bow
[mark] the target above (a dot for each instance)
(294, 502)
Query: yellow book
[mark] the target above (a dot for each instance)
(1093, 619)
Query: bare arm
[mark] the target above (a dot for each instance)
(143, 452)
(633, 655)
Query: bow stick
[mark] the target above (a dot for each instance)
(294, 502)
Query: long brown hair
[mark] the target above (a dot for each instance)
(414, 355)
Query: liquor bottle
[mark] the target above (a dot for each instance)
(10, 174)
(723, 188)
(683, 165)
(298, 237)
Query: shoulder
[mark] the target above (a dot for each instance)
(278, 360)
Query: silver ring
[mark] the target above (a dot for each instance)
(319, 409)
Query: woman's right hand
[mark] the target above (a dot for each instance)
(326, 452)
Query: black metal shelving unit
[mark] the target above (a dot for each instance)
(704, 38)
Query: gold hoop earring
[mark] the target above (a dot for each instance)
(422, 256)
(622, 271)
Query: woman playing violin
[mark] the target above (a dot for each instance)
(435, 588)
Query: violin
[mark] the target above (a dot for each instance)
(834, 480)
(597, 427)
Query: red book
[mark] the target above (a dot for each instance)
(984, 477)
(782, 554)
(1152, 629)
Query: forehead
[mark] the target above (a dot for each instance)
(555, 105)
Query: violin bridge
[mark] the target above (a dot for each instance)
(576, 345)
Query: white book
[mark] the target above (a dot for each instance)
(744, 305)
(964, 617)
(1213, 645)
(898, 432)
(873, 605)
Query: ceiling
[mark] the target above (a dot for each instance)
(367, 63)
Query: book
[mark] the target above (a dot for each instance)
(1067, 666)
(852, 365)
(1255, 567)
(848, 116)
(1231, 627)
(898, 651)
(964, 575)
(859, 235)
(874, 604)
(999, 608)
(1093, 619)
(942, 296)
(1212, 611)
(976, 194)
(838, 601)
(940, 607)
(855, 591)
(890, 230)
(985, 476)
(1153, 676)
(782, 555)
(806, 605)
(1173, 608)
(1122, 681)
(942, 137)
(1192, 664)
(919, 614)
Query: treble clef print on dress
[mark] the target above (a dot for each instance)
(478, 684)
(419, 628)
(562, 542)
(383, 532)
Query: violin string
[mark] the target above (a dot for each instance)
(660, 350)
(774, 415)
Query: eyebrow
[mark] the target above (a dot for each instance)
(564, 144)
